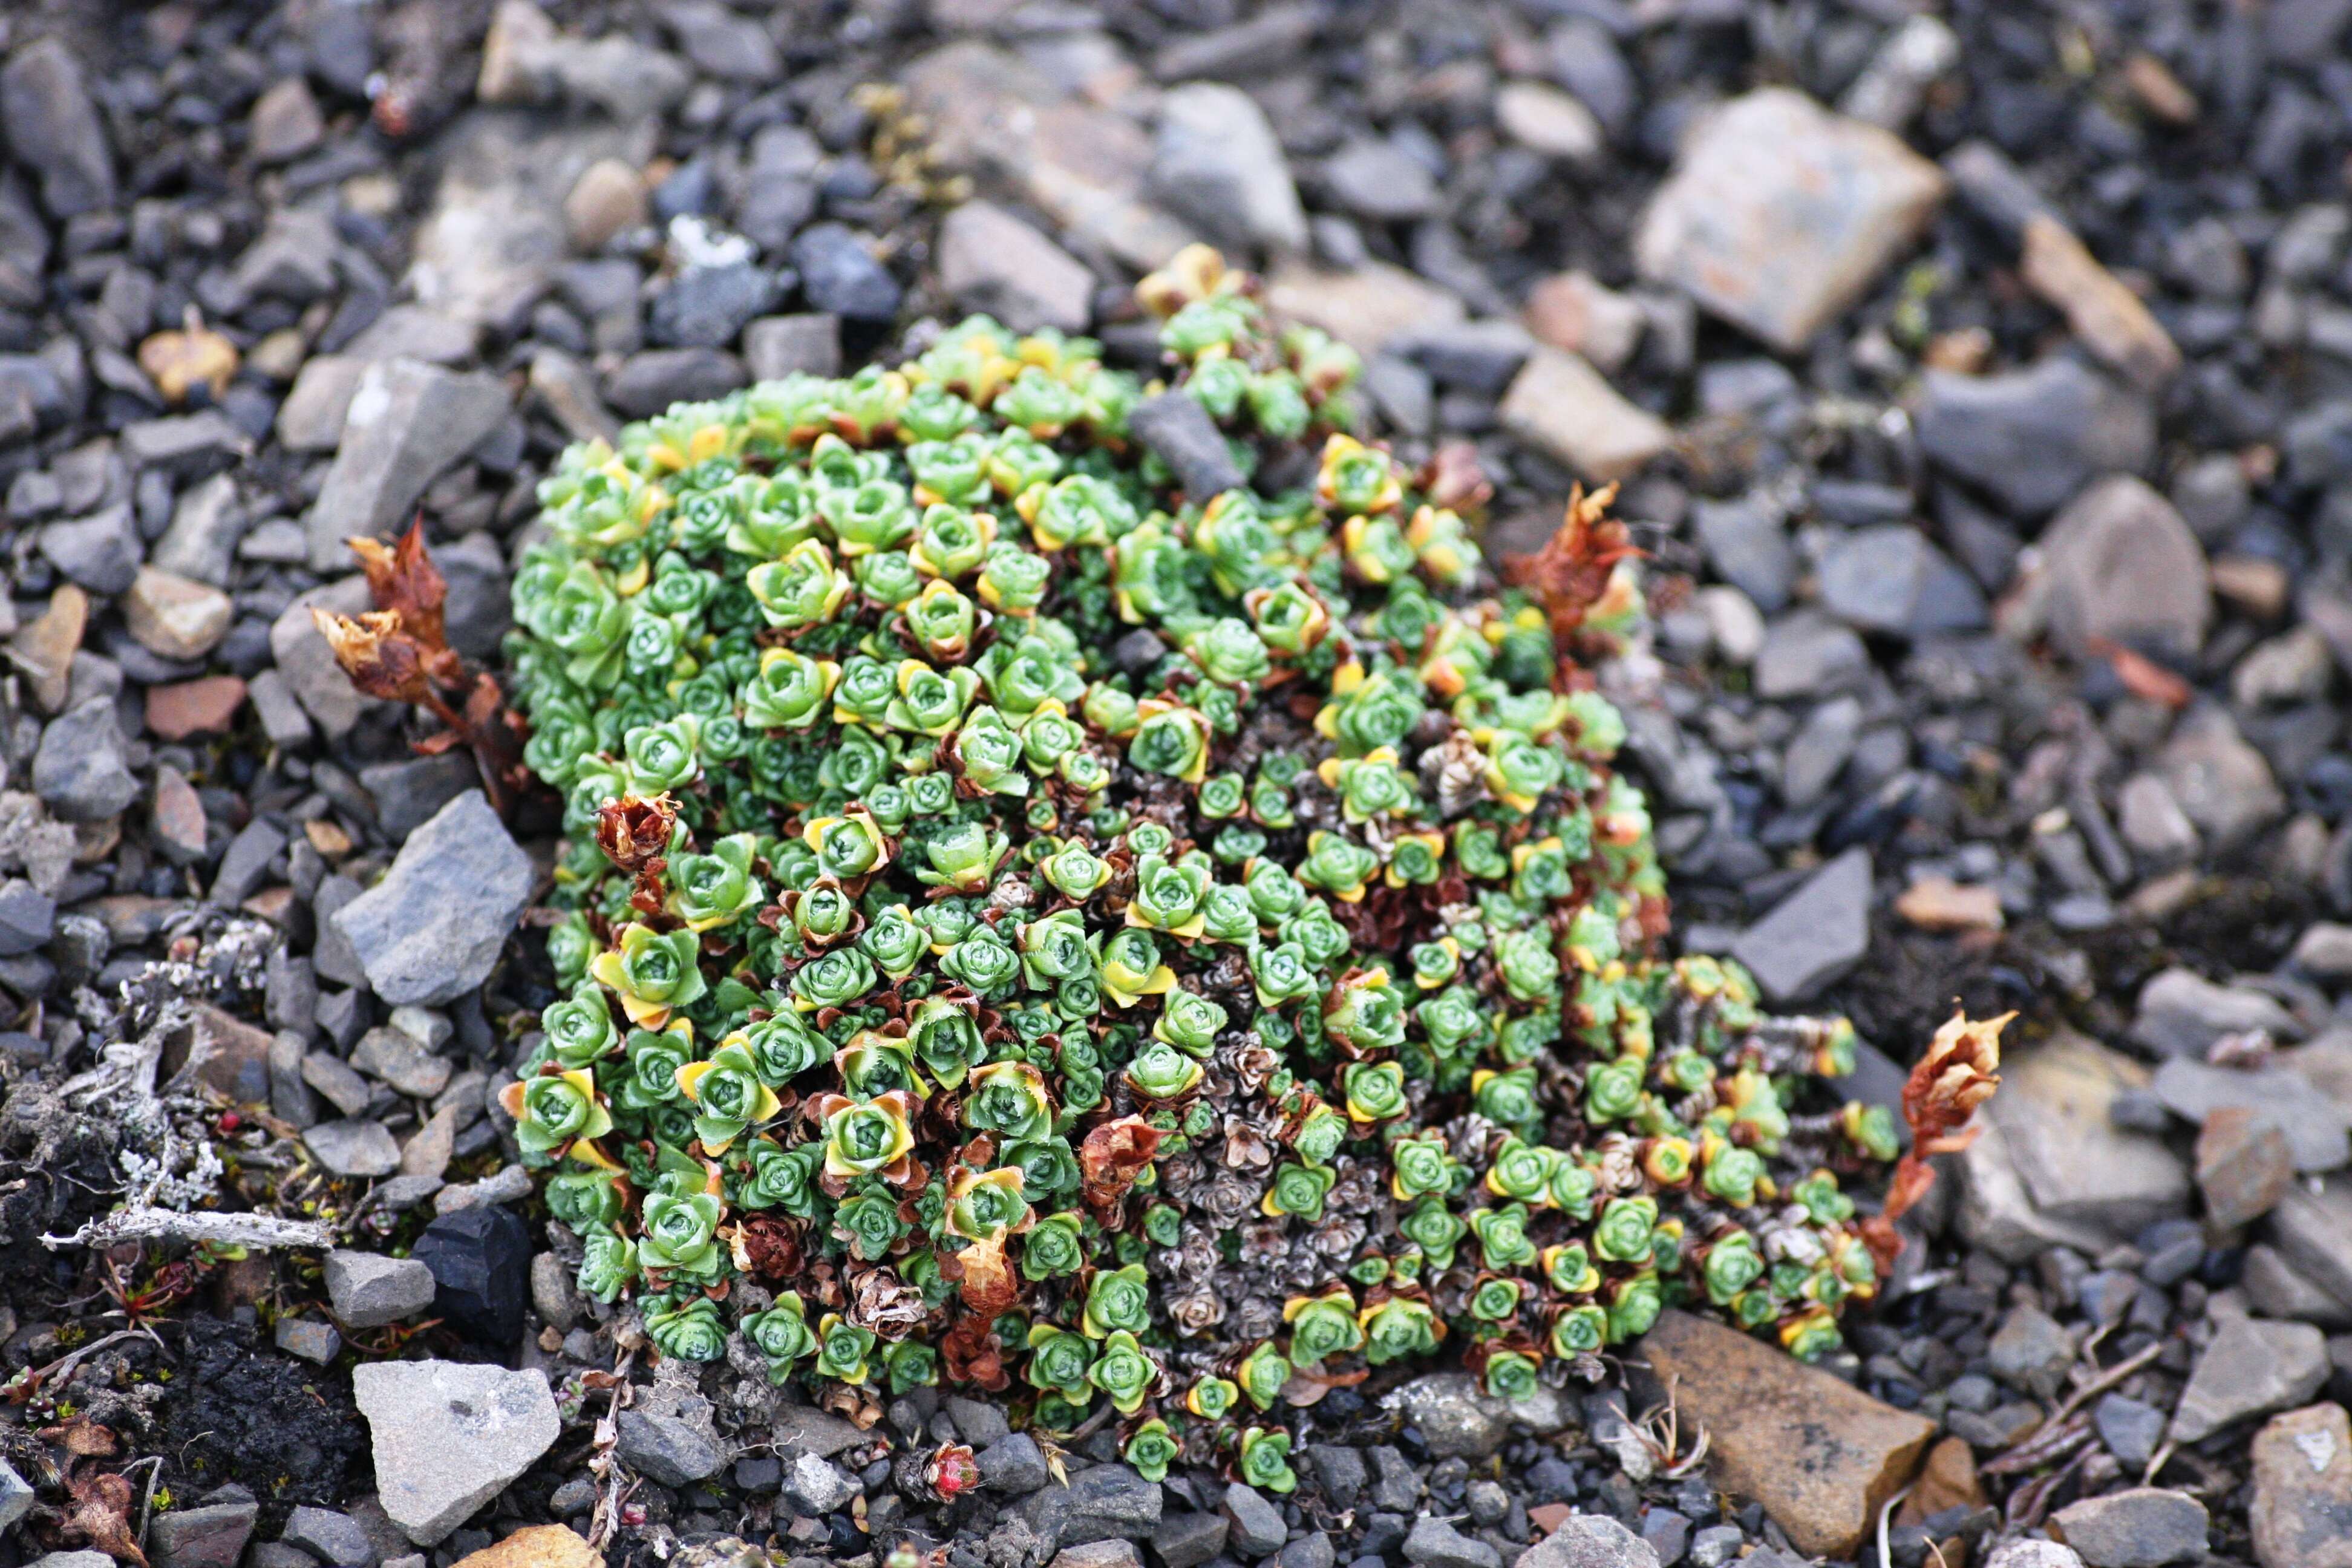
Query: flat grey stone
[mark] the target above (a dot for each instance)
(1813, 935)
(407, 423)
(210, 1537)
(2250, 1368)
(369, 1289)
(447, 1437)
(1257, 1525)
(430, 929)
(667, 1449)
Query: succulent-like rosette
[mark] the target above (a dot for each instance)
(1322, 1326)
(1511, 1374)
(1125, 1371)
(986, 1206)
(1399, 1327)
(1264, 1460)
(679, 1235)
(651, 972)
(781, 1048)
(1169, 738)
(1149, 1449)
(833, 979)
(580, 1028)
(1211, 1396)
(608, 1263)
(1008, 1098)
(1189, 1021)
(1131, 968)
(554, 1108)
(1621, 1235)
(1160, 1072)
(780, 1178)
(1262, 1374)
(1374, 1091)
(1059, 1361)
(782, 1333)
(1117, 1301)
(866, 1138)
(727, 1097)
(587, 1199)
(708, 890)
(1053, 1246)
(963, 856)
(1168, 893)
(843, 1350)
(1298, 1191)
(687, 1327)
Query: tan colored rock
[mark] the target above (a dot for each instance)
(1363, 307)
(1938, 903)
(2108, 317)
(537, 1546)
(207, 705)
(176, 617)
(1821, 1457)
(1542, 118)
(609, 196)
(44, 647)
(1780, 214)
(1576, 312)
(2254, 583)
(2076, 1164)
(2302, 1515)
(1566, 409)
(221, 1052)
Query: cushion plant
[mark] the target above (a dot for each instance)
(1034, 926)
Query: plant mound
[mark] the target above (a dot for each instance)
(1034, 926)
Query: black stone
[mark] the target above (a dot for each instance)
(480, 1259)
(1179, 430)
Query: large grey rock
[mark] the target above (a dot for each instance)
(210, 1537)
(54, 129)
(2143, 1527)
(1434, 1543)
(1814, 934)
(1890, 579)
(407, 423)
(1257, 1525)
(430, 931)
(99, 552)
(2032, 437)
(354, 1147)
(2250, 1368)
(2031, 1351)
(2181, 1014)
(16, 1495)
(1107, 1502)
(1564, 408)
(370, 1290)
(990, 262)
(1217, 161)
(81, 769)
(448, 1437)
(335, 1539)
(674, 1452)
(2118, 565)
(1588, 1540)
(1780, 214)
(1013, 1464)
(2077, 1176)
(2319, 1132)
(2314, 1232)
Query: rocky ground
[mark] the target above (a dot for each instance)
(1980, 378)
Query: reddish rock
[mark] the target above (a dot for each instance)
(1823, 1457)
(203, 706)
(176, 816)
(2244, 1165)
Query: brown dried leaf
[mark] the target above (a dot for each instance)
(179, 362)
(1959, 1073)
(1110, 1158)
(101, 1515)
(382, 661)
(403, 579)
(632, 832)
(83, 1439)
